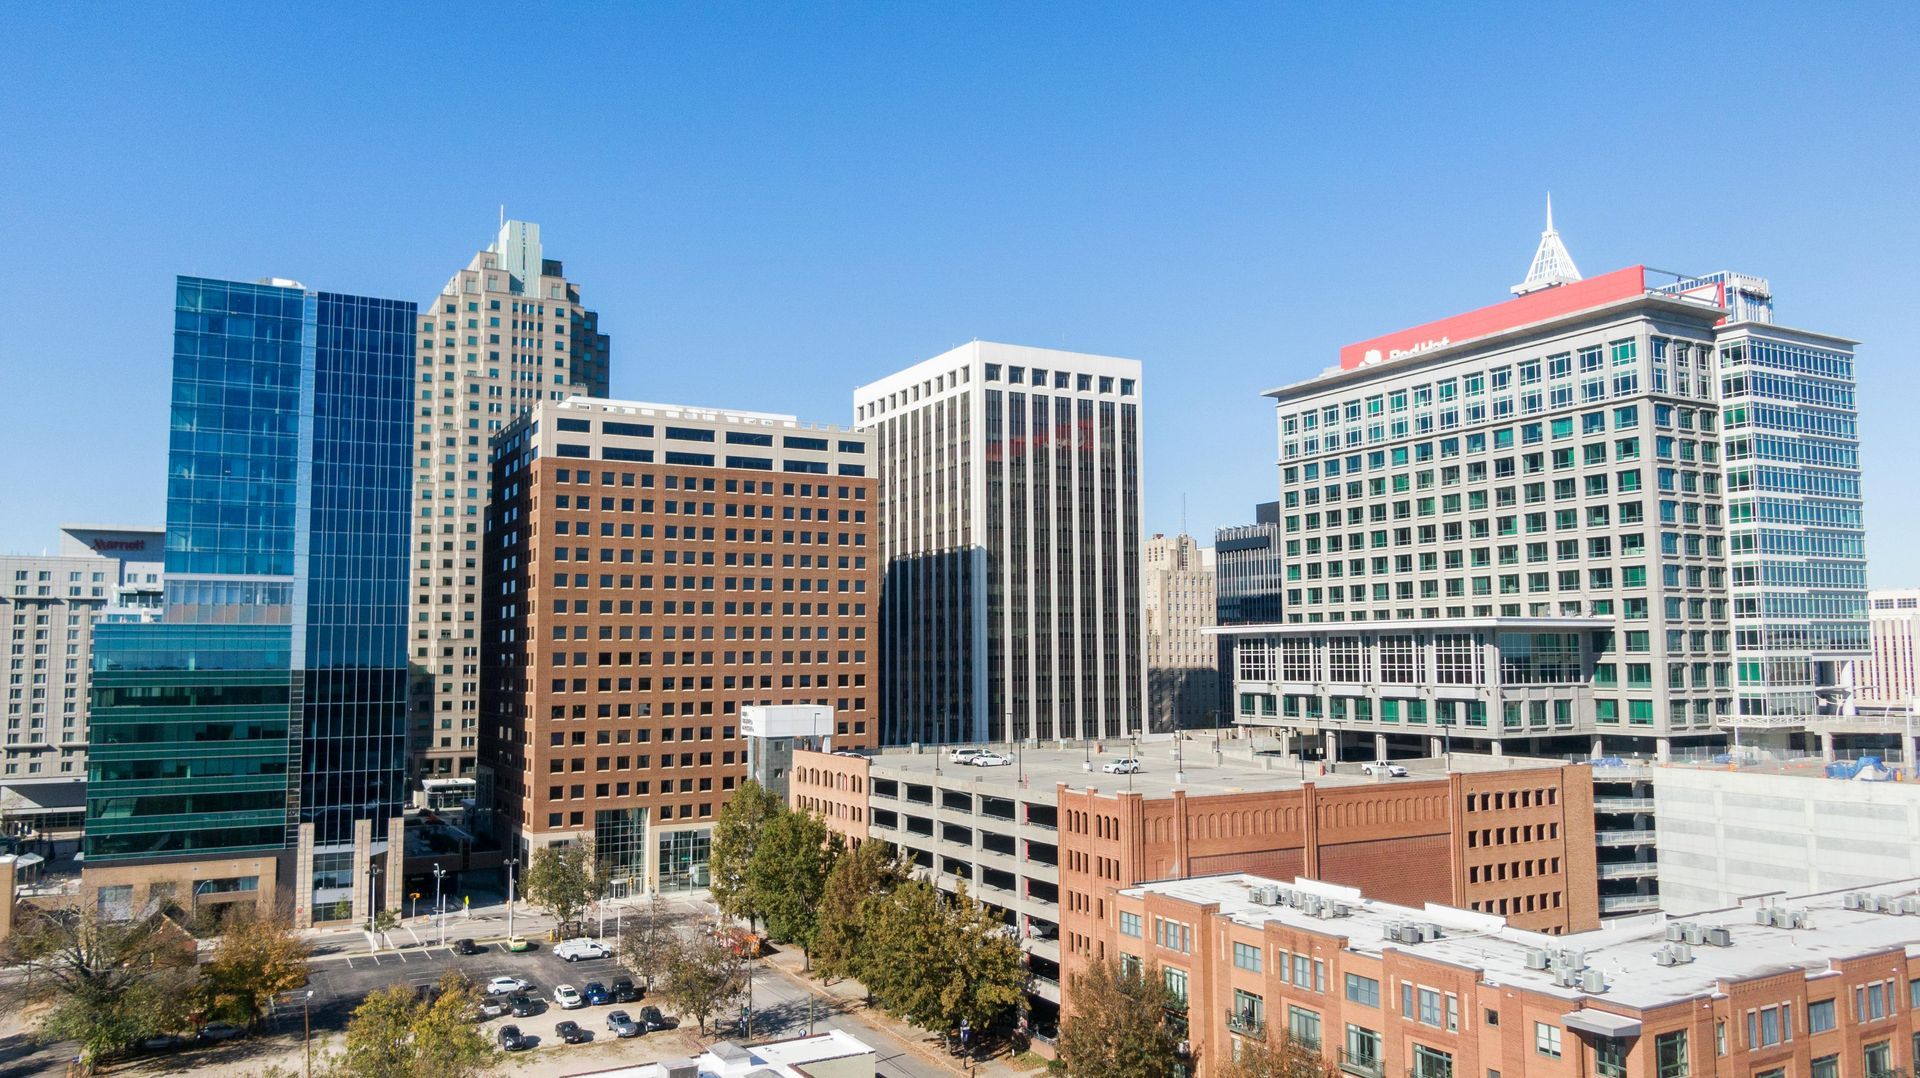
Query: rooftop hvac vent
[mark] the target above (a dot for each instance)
(1691, 932)
(1538, 958)
(1342, 909)
(1592, 981)
(1856, 900)
(1673, 954)
(1782, 917)
(1675, 932)
(1310, 905)
(1718, 936)
(1266, 895)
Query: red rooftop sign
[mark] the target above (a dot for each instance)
(1518, 311)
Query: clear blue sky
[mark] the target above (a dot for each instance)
(770, 204)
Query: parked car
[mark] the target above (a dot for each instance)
(516, 944)
(625, 991)
(571, 1033)
(574, 950)
(512, 1040)
(1121, 767)
(163, 1042)
(651, 1019)
(466, 947)
(506, 986)
(595, 994)
(494, 1006)
(524, 1006)
(622, 1024)
(567, 997)
(850, 752)
(962, 755)
(1381, 767)
(989, 759)
(221, 1031)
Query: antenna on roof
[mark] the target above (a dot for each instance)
(503, 215)
(1551, 264)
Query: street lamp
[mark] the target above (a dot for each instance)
(439, 922)
(373, 892)
(306, 1029)
(511, 862)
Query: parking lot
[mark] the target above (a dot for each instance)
(339, 983)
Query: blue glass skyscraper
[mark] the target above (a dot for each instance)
(266, 711)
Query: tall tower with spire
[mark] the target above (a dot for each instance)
(1552, 264)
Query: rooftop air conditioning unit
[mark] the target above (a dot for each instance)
(1592, 981)
(1911, 904)
(1538, 958)
(1765, 915)
(1310, 905)
(1802, 918)
(1263, 896)
(1690, 932)
(1718, 936)
(1676, 931)
(1412, 934)
(1341, 909)
(1665, 957)
(1330, 908)
(1854, 900)
(1430, 931)
(1682, 952)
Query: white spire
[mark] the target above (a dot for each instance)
(1552, 264)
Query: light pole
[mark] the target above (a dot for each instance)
(415, 897)
(439, 922)
(306, 1029)
(373, 893)
(511, 863)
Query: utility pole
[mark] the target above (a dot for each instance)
(511, 863)
(439, 921)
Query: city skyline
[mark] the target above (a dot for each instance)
(797, 247)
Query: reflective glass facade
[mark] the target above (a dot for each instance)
(274, 690)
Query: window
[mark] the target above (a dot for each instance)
(1610, 1057)
(1249, 1013)
(1429, 1007)
(1363, 1048)
(1825, 1067)
(1546, 1039)
(1431, 1062)
(1176, 980)
(1172, 935)
(1304, 1026)
(1820, 1016)
(1769, 1026)
(1877, 1060)
(1130, 925)
(1364, 990)
(1246, 956)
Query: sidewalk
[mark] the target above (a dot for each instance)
(849, 997)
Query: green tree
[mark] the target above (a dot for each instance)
(866, 873)
(1282, 1058)
(1118, 1027)
(256, 959)
(562, 880)
(106, 984)
(735, 833)
(935, 961)
(704, 977)
(650, 939)
(788, 874)
(394, 1034)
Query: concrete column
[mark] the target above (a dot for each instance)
(1333, 744)
(1497, 747)
(1663, 749)
(1909, 748)
(303, 879)
(1379, 746)
(1434, 746)
(394, 870)
(362, 881)
(1826, 745)
(1599, 748)
(6, 896)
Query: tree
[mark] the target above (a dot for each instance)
(866, 873)
(109, 983)
(561, 879)
(1118, 1026)
(788, 874)
(395, 1034)
(651, 938)
(935, 961)
(735, 833)
(1284, 1058)
(256, 959)
(704, 977)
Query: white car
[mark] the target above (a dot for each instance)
(567, 997)
(963, 756)
(1381, 767)
(1121, 767)
(989, 759)
(506, 986)
(574, 950)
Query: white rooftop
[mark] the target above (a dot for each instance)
(1624, 954)
(724, 1059)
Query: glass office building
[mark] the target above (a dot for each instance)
(273, 692)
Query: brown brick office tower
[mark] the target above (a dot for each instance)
(651, 569)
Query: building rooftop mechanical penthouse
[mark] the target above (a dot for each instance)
(1824, 984)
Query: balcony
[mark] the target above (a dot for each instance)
(1624, 838)
(1629, 903)
(1367, 1066)
(1246, 1023)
